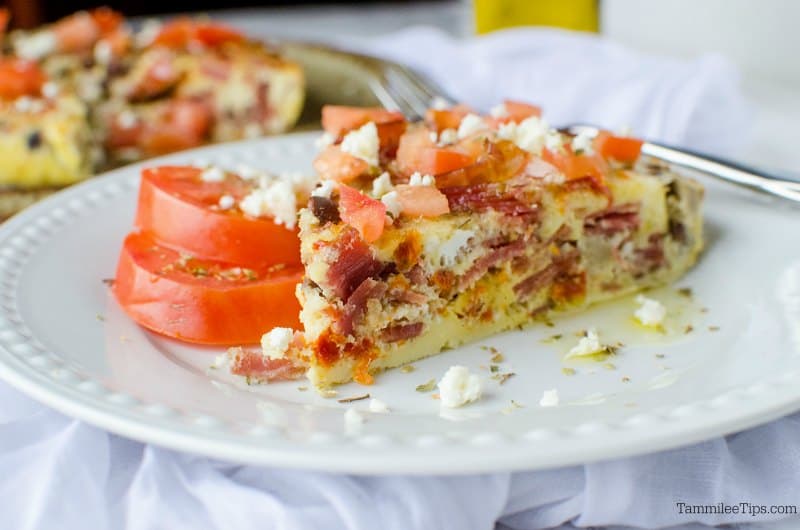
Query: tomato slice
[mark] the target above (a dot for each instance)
(183, 32)
(203, 301)
(182, 211)
(421, 201)
(19, 77)
(363, 213)
(621, 148)
(334, 164)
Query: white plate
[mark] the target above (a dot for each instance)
(64, 341)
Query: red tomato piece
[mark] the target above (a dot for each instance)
(334, 164)
(441, 119)
(19, 77)
(106, 19)
(338, 120)
(621, 148)
(519, 111)
(182, 211)
(77, 32)
(576, 166)
(421, 201)
(417, 152)
(203, 301)
(365, 214)
(184, 123)
(5, 16)
(183, 32)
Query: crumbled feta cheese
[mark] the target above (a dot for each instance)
(582, 143)
(248, 172)
(89, 89)
(382, 185)
(353, 418)
(147, 34)
(102, 52)
(222, 360)
(529, 134)
(625, 131)
(36, 46)
(324, 140)
(226, 202)
(549, 398)
(275, 342)
(449, 249)
(499, 111)
(252, 130)
(447, 137)
(471, 124)
(651, 312)
(302, 183)
(553, 140)
(376, 405)
(276, 199)
(23, 104)
(127, 119)
(439, 103)
(325, 189)
(212, 174)
(459, 387)
(392, 204)
(50, 90)
(417, 179)
(363, 143)
(588, 345)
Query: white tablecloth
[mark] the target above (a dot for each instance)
(59, 473)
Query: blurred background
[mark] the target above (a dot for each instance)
(759, 38)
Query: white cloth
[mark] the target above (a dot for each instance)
(60, 473)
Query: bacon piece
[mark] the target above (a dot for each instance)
(408, 297)
(536, 281)
(253, 364)
(486, 196)
(353, 264)
(356, 306)
(651, 256)
(400, 332)
(612, 220)
(496, 256)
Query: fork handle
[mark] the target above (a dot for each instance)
(735, 173)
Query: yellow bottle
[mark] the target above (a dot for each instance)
(491, 15)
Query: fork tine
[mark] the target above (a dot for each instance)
(384, 89)
(404, 87)
(427, 88)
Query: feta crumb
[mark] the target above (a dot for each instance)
(36, 46)
(325, 189)
(127, 119)
(459, 387)
(363, 143)
(226, 202)
(651, 312)
(353, 418)
(102, 52)
(252, 130)
(324, 140)
(417, 179)
(553, 140)
(447, 137)
(23, 104)
(582, 143)
(50, 90)
(625, 131)
(222, 360)
(147, 34)
(529, 134)
(471, 124)
(382, 185)
(212, 174)
(439, 103)
(276, 199)
(392, 204)
(549, 398)
(588, 345)
(376, 405)
(499, 111)
(248, 172)
(275, 342)
(302, 183)
(449, 249)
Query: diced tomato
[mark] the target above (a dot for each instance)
(338, 120)
(519, 111)
(160, 76)
(493, 162)
(621, 148)
(363, 213)
(106, 19)
(5, 16)
(202, 301)
(441, 119)
(181, 211)
(421, 201)
(417, 153)
(184, 123)
(183, 32)
(77, 32)
(576, 166)
(118, 41)
(334, 164)
(19, 77)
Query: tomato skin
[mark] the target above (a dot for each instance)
(365, 214)
(19, 77)
(620, 148)
(422, 201)
(338, 120)
(441, 119)
(334, 164)
(203, 310)
(106, 19)
(175, 206)
(5, 16)
(519, 111)
(183, 32)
